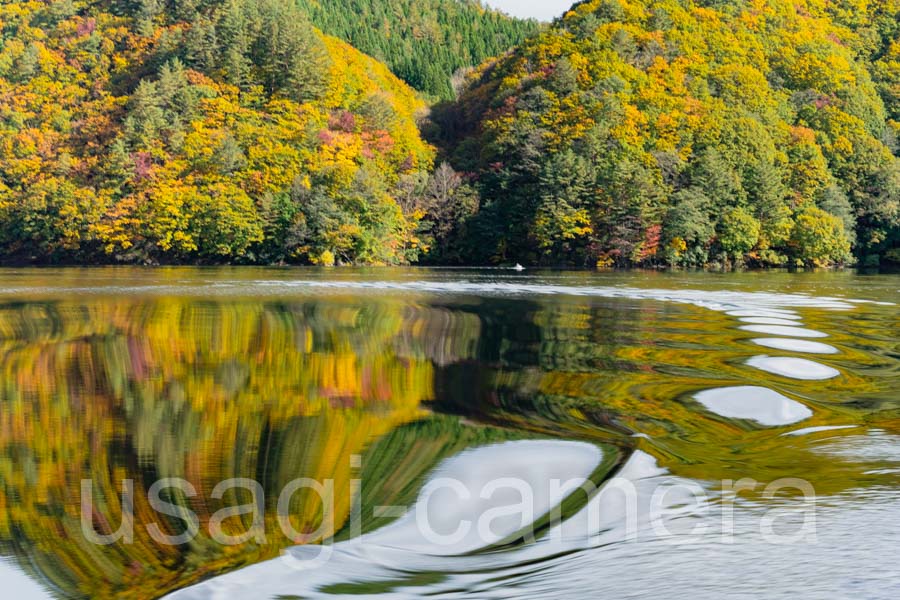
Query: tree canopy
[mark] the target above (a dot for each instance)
(425, 42)
(204, 131)
(628, 133)
(646, 132)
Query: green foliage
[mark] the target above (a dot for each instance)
(268, 43)
(651, 132)
(689, 229)
(562, 223)
(738, 233)
(893, 256)
(425, 42)
(818, 239)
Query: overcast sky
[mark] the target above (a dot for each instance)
(545, 10)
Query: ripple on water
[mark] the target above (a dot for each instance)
(790, 345)
(772, 313)
(795, 368)
(873, 446)
(754, 403)
(534, 462)
(770, 321)
(812, 430)
(786, 331)
(476, 486)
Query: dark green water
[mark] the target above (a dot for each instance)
(660, 389)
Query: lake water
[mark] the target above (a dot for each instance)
(473, 433)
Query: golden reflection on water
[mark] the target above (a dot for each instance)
(115, 390)
(119, 386)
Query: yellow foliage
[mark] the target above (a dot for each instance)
(168, 171)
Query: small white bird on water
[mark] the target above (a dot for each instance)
(518, 267)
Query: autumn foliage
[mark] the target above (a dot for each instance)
(628, 133)
(687, 132)
(211, 132)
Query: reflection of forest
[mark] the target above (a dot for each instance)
(274, 391)
(204, 392)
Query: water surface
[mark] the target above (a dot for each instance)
(386, 381)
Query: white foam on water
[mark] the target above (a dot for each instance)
(790, 345)
(794, 368)
(753, 403)
(785, 331)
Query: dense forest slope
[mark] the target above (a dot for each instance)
(200, 131)
(424, 42)
(683, 132)
(630, 133)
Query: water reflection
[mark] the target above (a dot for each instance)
(759, 404)
(785, 330)
(793, 368)
(176, 389)
(374, 379)
(790, 345)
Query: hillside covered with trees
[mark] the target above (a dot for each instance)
(650, 132)
(628, 133)
(203, 131)
(424, 42)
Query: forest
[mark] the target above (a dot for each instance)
(628, 133)
(208, 132)
(672, 132)
(424, 42)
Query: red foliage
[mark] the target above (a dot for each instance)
(342, 120)
(86, 27)
(822, 102)
(326, 137)
(652, 237)
(143, 165)
(377, 142)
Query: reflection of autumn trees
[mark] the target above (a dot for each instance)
(113, 389)
(117, 390)
(579, 369)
